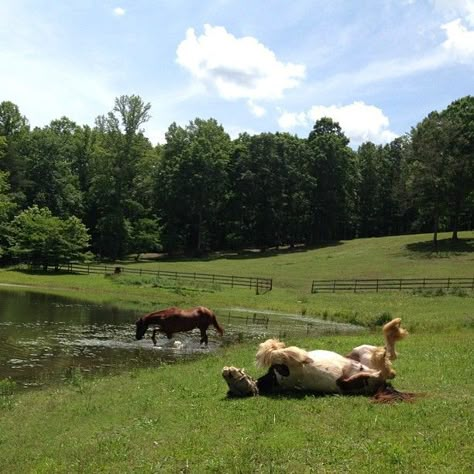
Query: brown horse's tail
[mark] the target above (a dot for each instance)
(218, 327)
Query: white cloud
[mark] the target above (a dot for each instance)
(460, 42)
(463, 8)
(289, 120)
(359, 122)
(239, 68)
(458, 47)
(118, 11)
(256, 109)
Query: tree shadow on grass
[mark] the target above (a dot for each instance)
(445, 246)
(244, 254)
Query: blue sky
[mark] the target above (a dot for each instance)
(378, 67)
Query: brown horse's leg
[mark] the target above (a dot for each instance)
(204, 336)
(153, 336)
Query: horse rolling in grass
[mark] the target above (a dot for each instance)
(364, 371)
(171, 320)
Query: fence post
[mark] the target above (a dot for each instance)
(400, 284)
(355, 286)
(334, 286)
(256, 289)
(377, 289)
(232, 282)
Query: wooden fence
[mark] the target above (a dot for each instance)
(383, 284)
(261, 285)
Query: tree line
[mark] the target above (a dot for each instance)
(65, 187)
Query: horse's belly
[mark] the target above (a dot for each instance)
(320, 376)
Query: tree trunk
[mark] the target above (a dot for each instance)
(455, 223)
(435, 230)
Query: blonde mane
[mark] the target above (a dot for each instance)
(273, 351)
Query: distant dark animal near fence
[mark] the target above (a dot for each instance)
(172, 320)
(261, 285)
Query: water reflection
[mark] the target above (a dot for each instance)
(44, 338)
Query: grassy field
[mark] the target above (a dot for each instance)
(176, 418)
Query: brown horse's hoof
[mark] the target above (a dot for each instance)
(240, 384)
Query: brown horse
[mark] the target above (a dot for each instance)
(171, 320)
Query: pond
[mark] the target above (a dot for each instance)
(45, 339)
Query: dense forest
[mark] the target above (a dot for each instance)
(67, 188)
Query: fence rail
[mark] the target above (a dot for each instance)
(382, 284)
(261, 285)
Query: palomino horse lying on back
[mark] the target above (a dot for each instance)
(171, 320)
(364, 371)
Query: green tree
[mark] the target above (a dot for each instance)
(428, 174)
(333, 167)
(117, 151)
(459, 123)
(269, 190)
(400, 212)
(13, 130)
(51, 181)
(146, 237)
(191, 183)
(7, 207)
(36, 236)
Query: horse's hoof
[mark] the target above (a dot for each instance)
(240, 384)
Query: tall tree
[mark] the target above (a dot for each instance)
(428, 180)
(269, 190)
(459, 123)
(333, 166)
(13, 130)
(51, 182)
(118, 147)
(7, 207)
(191, 183)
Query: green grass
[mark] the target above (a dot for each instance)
(292, 272)
(176, 418)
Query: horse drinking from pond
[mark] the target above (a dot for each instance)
(171, 320)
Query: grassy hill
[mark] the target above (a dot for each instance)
(176, 418)
(292, 273)
(383, 257)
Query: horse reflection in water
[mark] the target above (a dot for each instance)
(172, 320)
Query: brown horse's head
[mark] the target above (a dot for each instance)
(141, 328)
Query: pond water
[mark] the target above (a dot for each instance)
(45, 339)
